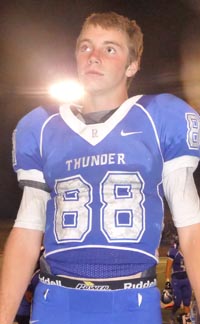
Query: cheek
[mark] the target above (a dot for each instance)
(80, 61)
(118, 67)
(80, 68)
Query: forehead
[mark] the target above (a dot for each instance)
(99, 34)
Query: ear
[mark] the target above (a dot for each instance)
(132, 69)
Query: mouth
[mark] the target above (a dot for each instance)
(93, 72)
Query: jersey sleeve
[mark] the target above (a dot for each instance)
(171, 253)
(27, 161)
(179, 132)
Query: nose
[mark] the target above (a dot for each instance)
(94, 57)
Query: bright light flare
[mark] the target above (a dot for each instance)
(66, 91)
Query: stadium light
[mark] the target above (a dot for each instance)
(66, 91)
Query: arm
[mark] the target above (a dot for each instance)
(189, 238)
(183, 200)
(168, 269)
(20, 256)
(21, 252)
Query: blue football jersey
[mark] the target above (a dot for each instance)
(105, 215)
(178, 265)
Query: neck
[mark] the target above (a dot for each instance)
(97, 102)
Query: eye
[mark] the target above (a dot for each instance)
(110, 50)
(84, 48)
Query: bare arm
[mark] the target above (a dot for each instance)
(168, 269)
(20, 256)
(189, 238)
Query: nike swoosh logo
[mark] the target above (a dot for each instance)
(31, 322)
(130, 133)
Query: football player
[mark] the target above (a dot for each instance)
(94, 181)
(177, 275)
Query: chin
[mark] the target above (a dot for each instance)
(92, 89)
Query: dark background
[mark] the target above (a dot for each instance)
(37, 41)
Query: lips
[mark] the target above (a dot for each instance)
(93, 72)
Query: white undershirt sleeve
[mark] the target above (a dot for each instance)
(182, 196)
(32, 210)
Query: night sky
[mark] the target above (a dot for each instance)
(37, 41)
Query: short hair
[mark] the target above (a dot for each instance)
(108, 20)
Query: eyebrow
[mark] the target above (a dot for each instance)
(108, 42)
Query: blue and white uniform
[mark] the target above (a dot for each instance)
(104, 217)
(182, 290)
